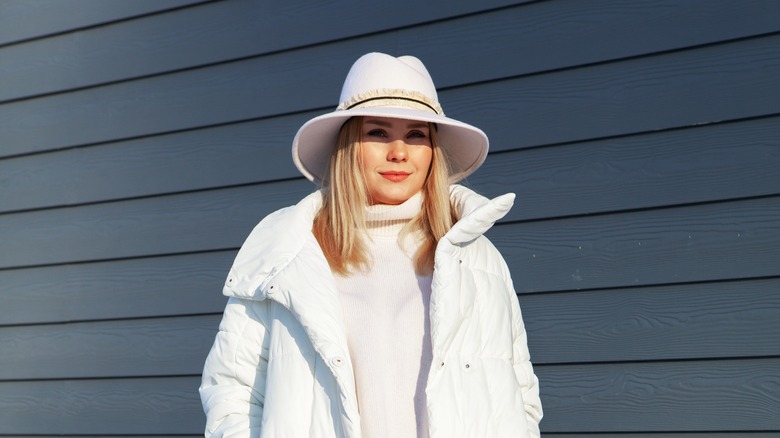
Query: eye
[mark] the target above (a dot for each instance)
(376, 133)
(416, 134)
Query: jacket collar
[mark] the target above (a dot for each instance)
(270, 247)
(477, 213)
(284, 234)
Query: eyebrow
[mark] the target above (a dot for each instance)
(388, 124)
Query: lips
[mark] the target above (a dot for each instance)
(395, 176)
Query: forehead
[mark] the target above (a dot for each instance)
(387, 122)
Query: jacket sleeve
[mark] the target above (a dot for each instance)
(522, 363)
(233, 385)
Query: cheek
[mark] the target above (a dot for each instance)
(369, 157)
(425, 158)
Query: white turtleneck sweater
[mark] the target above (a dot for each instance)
(388, 328)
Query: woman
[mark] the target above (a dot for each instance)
(375, 307)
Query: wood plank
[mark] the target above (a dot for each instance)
(720, 241)
(663, 323)
(160, 225)
(673, 90)
(222, 31)
(696, 396)
(241, 29)
(722, 82)
(552, 35)
(112, 436)
(740, 434)
(23, 19)
(698, 243)
(696, 164)
(123, 348)
(689, 321)
(243, 153)
(692, 165)
(136, 288)
(169, 405)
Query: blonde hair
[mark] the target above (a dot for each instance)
(340, 223)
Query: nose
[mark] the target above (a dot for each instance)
(398, 152)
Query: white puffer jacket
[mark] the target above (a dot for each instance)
(280, 366)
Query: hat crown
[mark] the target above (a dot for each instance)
(377, 76)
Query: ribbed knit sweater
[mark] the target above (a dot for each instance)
(388, 328)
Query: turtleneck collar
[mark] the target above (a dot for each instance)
(389, 220)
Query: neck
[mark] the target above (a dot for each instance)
(389, 220)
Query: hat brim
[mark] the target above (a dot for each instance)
(465, 146)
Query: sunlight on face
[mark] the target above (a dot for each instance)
(395, 158)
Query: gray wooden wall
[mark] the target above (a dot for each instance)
(141, 140)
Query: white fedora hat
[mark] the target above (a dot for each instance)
(381, 85)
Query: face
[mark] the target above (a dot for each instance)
(395, 158)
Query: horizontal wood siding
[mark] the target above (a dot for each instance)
(131, 288)
(729, 81)
(667, 435)
(22, 20)
(157, 405)
(607, 97)
(677, 166)
(723, 395)
(145, 347)
(141, 141)
(678, 396)
(680, 321)
(648, 323)
(221, 31)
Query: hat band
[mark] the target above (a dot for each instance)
(392, 98)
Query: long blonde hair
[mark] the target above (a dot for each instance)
(340, 223)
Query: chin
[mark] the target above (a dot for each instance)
(391, 199)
